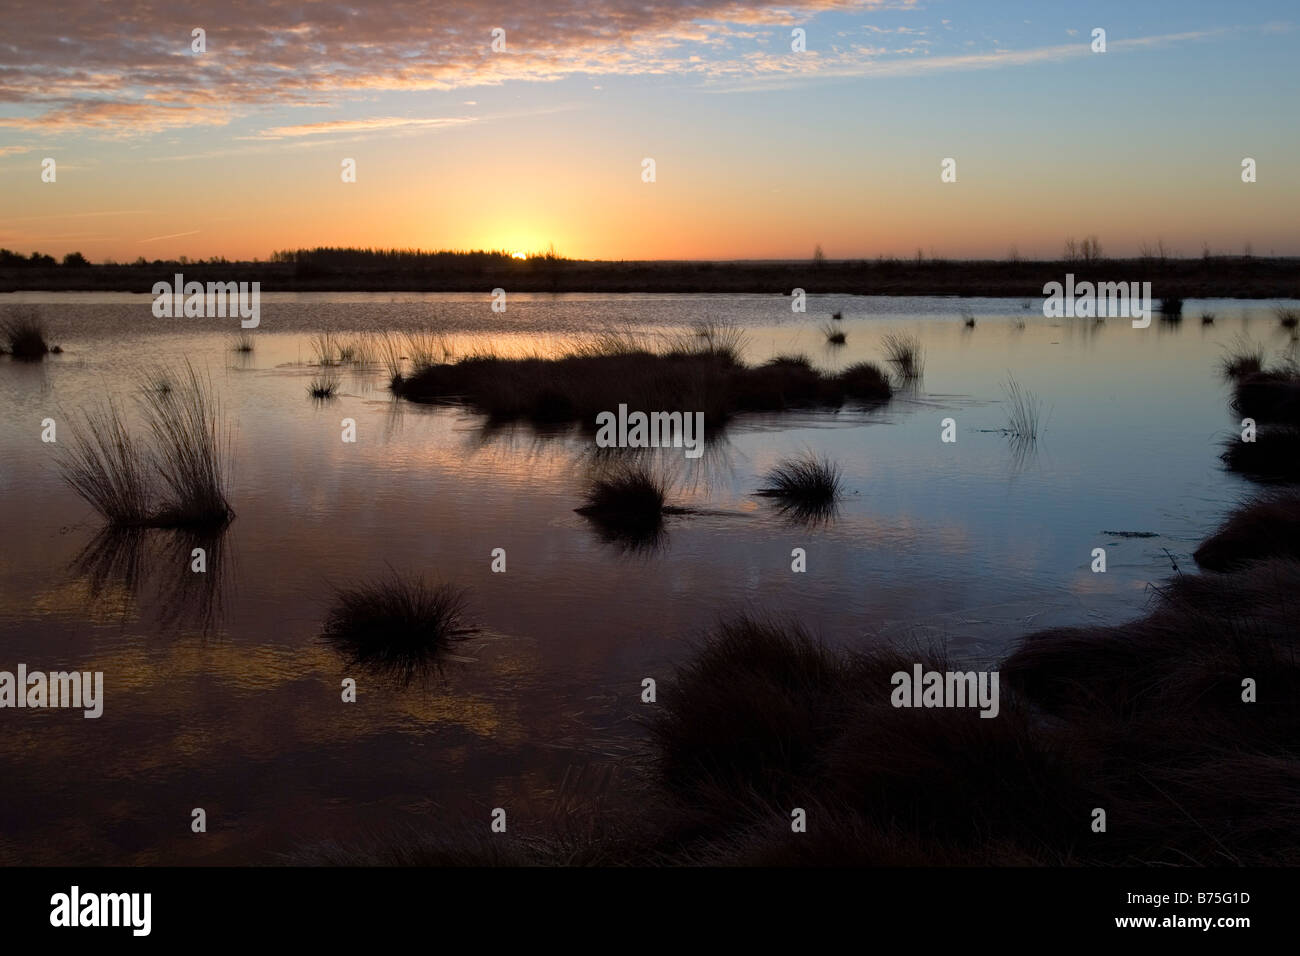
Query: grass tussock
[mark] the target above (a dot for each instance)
(904, 354)
(1207, 318)
(243, 342)
(1269, 395)
(764, 718)
(1268, 527)
(833, 335)
(397, 626)
(176, 479)
(1244, 359)
(627, 506)
(1288, 318)
(323, 387)
(1145, 720)
(807, 487)
(1171, 307)
(24, 335)
(108, 467)
(1273, 458)
(706, 376)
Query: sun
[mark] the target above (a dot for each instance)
(518, 255)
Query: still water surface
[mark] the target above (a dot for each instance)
(219, 694)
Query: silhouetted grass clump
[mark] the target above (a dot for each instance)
(707, 377)
(1153, 721)
(1161, 716)
(807, 487)
(177, 479)
(398, 626)
(1268, 527)
(627, 506)
(25, 336)
(1272, 458)
(764, 717)
(1269, 395)
(323, 387)
(1207, 318)
(107, 467)
(1171, 307)
(1288, 318)
(243, 342)
(1246, 358)
(903, 351)
(833, 335)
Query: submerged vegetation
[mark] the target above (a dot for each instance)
(175, 480)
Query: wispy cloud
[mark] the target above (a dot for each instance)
(373, 124)
(174, 235)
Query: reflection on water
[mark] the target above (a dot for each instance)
(219, 693)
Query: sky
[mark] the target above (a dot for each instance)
(759, 150)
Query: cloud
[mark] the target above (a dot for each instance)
(378, 123)
(130, 70)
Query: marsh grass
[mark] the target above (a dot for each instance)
(24, 335)
(324, 386)
(1207, 318)
(1273, 458)
(627, 504)
(325, 347)
(833, 335)
(1171, 308)
(903, 351)
(176, 479)
(1288, 318)
(1245, 358)
(191, 451)
(1024, 411)
(107, 467)
(1267, 527)
(425, 349)
(243, 342)
(599, 375)
(398, 626)
(807, 487)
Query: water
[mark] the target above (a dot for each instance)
(219, 694)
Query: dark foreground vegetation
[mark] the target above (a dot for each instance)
(1270, 396)
(1183, 726)
(699, 373)
(316, 270)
